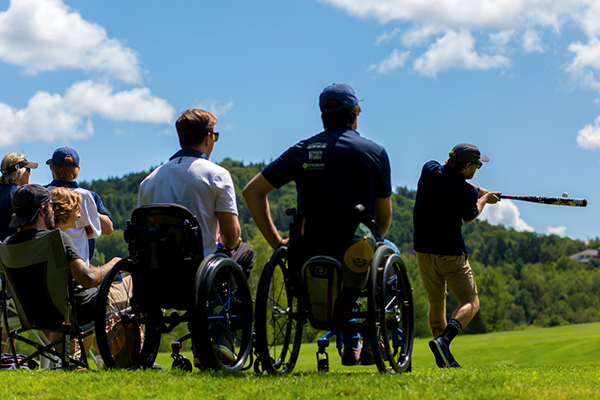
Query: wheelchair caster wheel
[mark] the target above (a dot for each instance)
(323, 365)
(257, 366)
(183, 364)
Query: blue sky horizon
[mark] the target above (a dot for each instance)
(517, 78)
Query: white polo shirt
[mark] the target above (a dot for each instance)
(89, 217)
(196, 183)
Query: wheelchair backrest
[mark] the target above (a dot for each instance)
(38, 276)
(319, 239)
(165, 244)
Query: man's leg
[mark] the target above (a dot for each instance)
(437, 317)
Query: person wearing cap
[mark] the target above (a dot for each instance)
(94, 219)
(444, 201)
(34, 218)
(15, 170)
(336, 169)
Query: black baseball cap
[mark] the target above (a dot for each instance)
(26, 202)
(468, 153)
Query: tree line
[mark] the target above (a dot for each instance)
(524, 278)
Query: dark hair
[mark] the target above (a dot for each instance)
(193, 125)
(452, 163)
(344, 117)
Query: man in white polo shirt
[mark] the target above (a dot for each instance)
(206, 189)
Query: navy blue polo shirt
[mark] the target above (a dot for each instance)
(6, 209)
(444, 200)
(336, 168)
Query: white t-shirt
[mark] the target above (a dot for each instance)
(89, 216)
(198, 184)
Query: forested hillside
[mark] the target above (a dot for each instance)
(523, 278)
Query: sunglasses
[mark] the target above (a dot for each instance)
(216, 135)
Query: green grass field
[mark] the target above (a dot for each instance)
(557, 363)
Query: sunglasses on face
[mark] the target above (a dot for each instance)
(216, 135)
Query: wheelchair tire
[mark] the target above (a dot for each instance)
(278, 323)
(222, 317)
(392, 326)
(124, 338)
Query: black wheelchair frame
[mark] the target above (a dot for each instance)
(166, 270)
(386, 322)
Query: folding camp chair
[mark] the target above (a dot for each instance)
(37, 275)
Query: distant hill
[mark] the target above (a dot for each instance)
(524, 278)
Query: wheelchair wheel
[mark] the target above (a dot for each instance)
(392, 327)
(124, 337)
(222, 323)
(277, 321)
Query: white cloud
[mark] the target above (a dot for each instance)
(138, 104)
(589, 137)
(585, 63)
(386, 36)
(501, 39)
(456, 50)
(52, 117)
(489, 14)
(417, 37)
(393, 62)
(532, 42)
(46, 35)
(557, 230)
(507, 214)
(215, 108)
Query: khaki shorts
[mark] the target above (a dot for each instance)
(437, 271)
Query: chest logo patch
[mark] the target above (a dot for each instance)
(313, 166)
(315, 155)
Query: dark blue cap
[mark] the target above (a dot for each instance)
(340, 92)
(58, 158)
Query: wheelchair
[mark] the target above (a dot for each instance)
(381, 311)
(36, 273)
(166, 270)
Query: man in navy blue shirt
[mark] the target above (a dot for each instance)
(334, 170)
(444, 201)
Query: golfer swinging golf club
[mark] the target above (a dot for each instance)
(444, 200)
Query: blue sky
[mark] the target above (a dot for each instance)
(518, 78)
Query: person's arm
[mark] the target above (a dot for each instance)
(383, 214)
(480, 191)
(88, 276)
(106, 224)
(487, 198)
(90, 219)
(230, 229)
(255, 193)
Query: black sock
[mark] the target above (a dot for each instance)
(452, 329)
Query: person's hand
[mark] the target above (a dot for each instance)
(284, 242)
(492, 197)
(482, 192)
(89, 231)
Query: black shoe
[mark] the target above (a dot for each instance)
(351, 355)
(441, 351)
